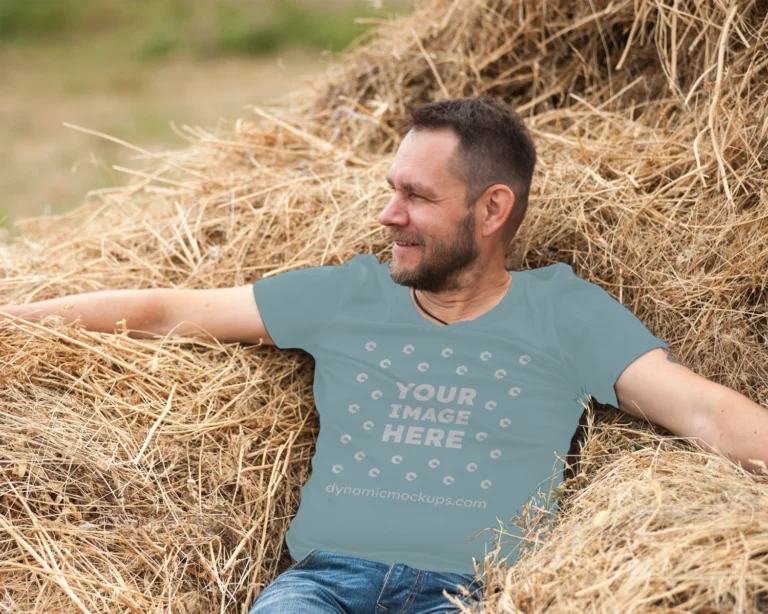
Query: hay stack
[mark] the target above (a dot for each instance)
(149, 476)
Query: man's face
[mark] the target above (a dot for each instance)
(428, 208)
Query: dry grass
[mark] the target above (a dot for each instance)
(159, 476)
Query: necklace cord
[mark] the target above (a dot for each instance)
(424, 310)
(427, 312)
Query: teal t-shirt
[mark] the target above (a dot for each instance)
(431, 433)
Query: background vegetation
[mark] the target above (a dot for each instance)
(155, 28)
(128, 68)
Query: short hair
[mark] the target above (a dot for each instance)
(494, 147)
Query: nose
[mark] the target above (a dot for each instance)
(394, 214)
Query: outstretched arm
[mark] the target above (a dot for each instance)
(226, 314)
(660, 389)
(97, 311)
(738, 427)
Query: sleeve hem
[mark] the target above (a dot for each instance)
(277, 342)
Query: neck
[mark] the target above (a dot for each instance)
(469, 301)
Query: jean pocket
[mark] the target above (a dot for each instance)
(304, 560)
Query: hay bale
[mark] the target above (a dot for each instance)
(650, 525)
(154, 476)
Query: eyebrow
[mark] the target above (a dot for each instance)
(413, 186)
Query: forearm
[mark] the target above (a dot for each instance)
(96, 311)
(738, 427)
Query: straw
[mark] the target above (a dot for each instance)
(161, 475)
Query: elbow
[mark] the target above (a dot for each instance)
(711, 427)
(157, 311)
(151, 318)
(737, 428)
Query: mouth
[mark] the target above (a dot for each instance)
(400, 247)
(405, 243)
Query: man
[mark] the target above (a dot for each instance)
(446, 384)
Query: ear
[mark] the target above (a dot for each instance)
(498, 202)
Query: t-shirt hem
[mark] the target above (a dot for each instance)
(469, 570)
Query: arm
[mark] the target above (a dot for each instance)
(96, 311)
(658, 388)
(738, 427)
(227, 314)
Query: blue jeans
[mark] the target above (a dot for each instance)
(325, 582)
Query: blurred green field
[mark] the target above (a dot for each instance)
(205, 28)
(128, 68)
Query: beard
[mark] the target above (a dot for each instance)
(438, 269)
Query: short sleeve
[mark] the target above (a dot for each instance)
(296, 304)
(599, 336)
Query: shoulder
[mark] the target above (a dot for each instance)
(561, 278)
(572, 300)
(361, 267)
(360, 273)
(358, 266)
(551, 272)
(558, 272)
(362, 261)
(558, 278)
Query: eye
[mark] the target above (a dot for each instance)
(412, 195)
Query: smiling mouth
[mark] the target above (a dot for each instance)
(406, 243)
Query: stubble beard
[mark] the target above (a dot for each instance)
(439, 270)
